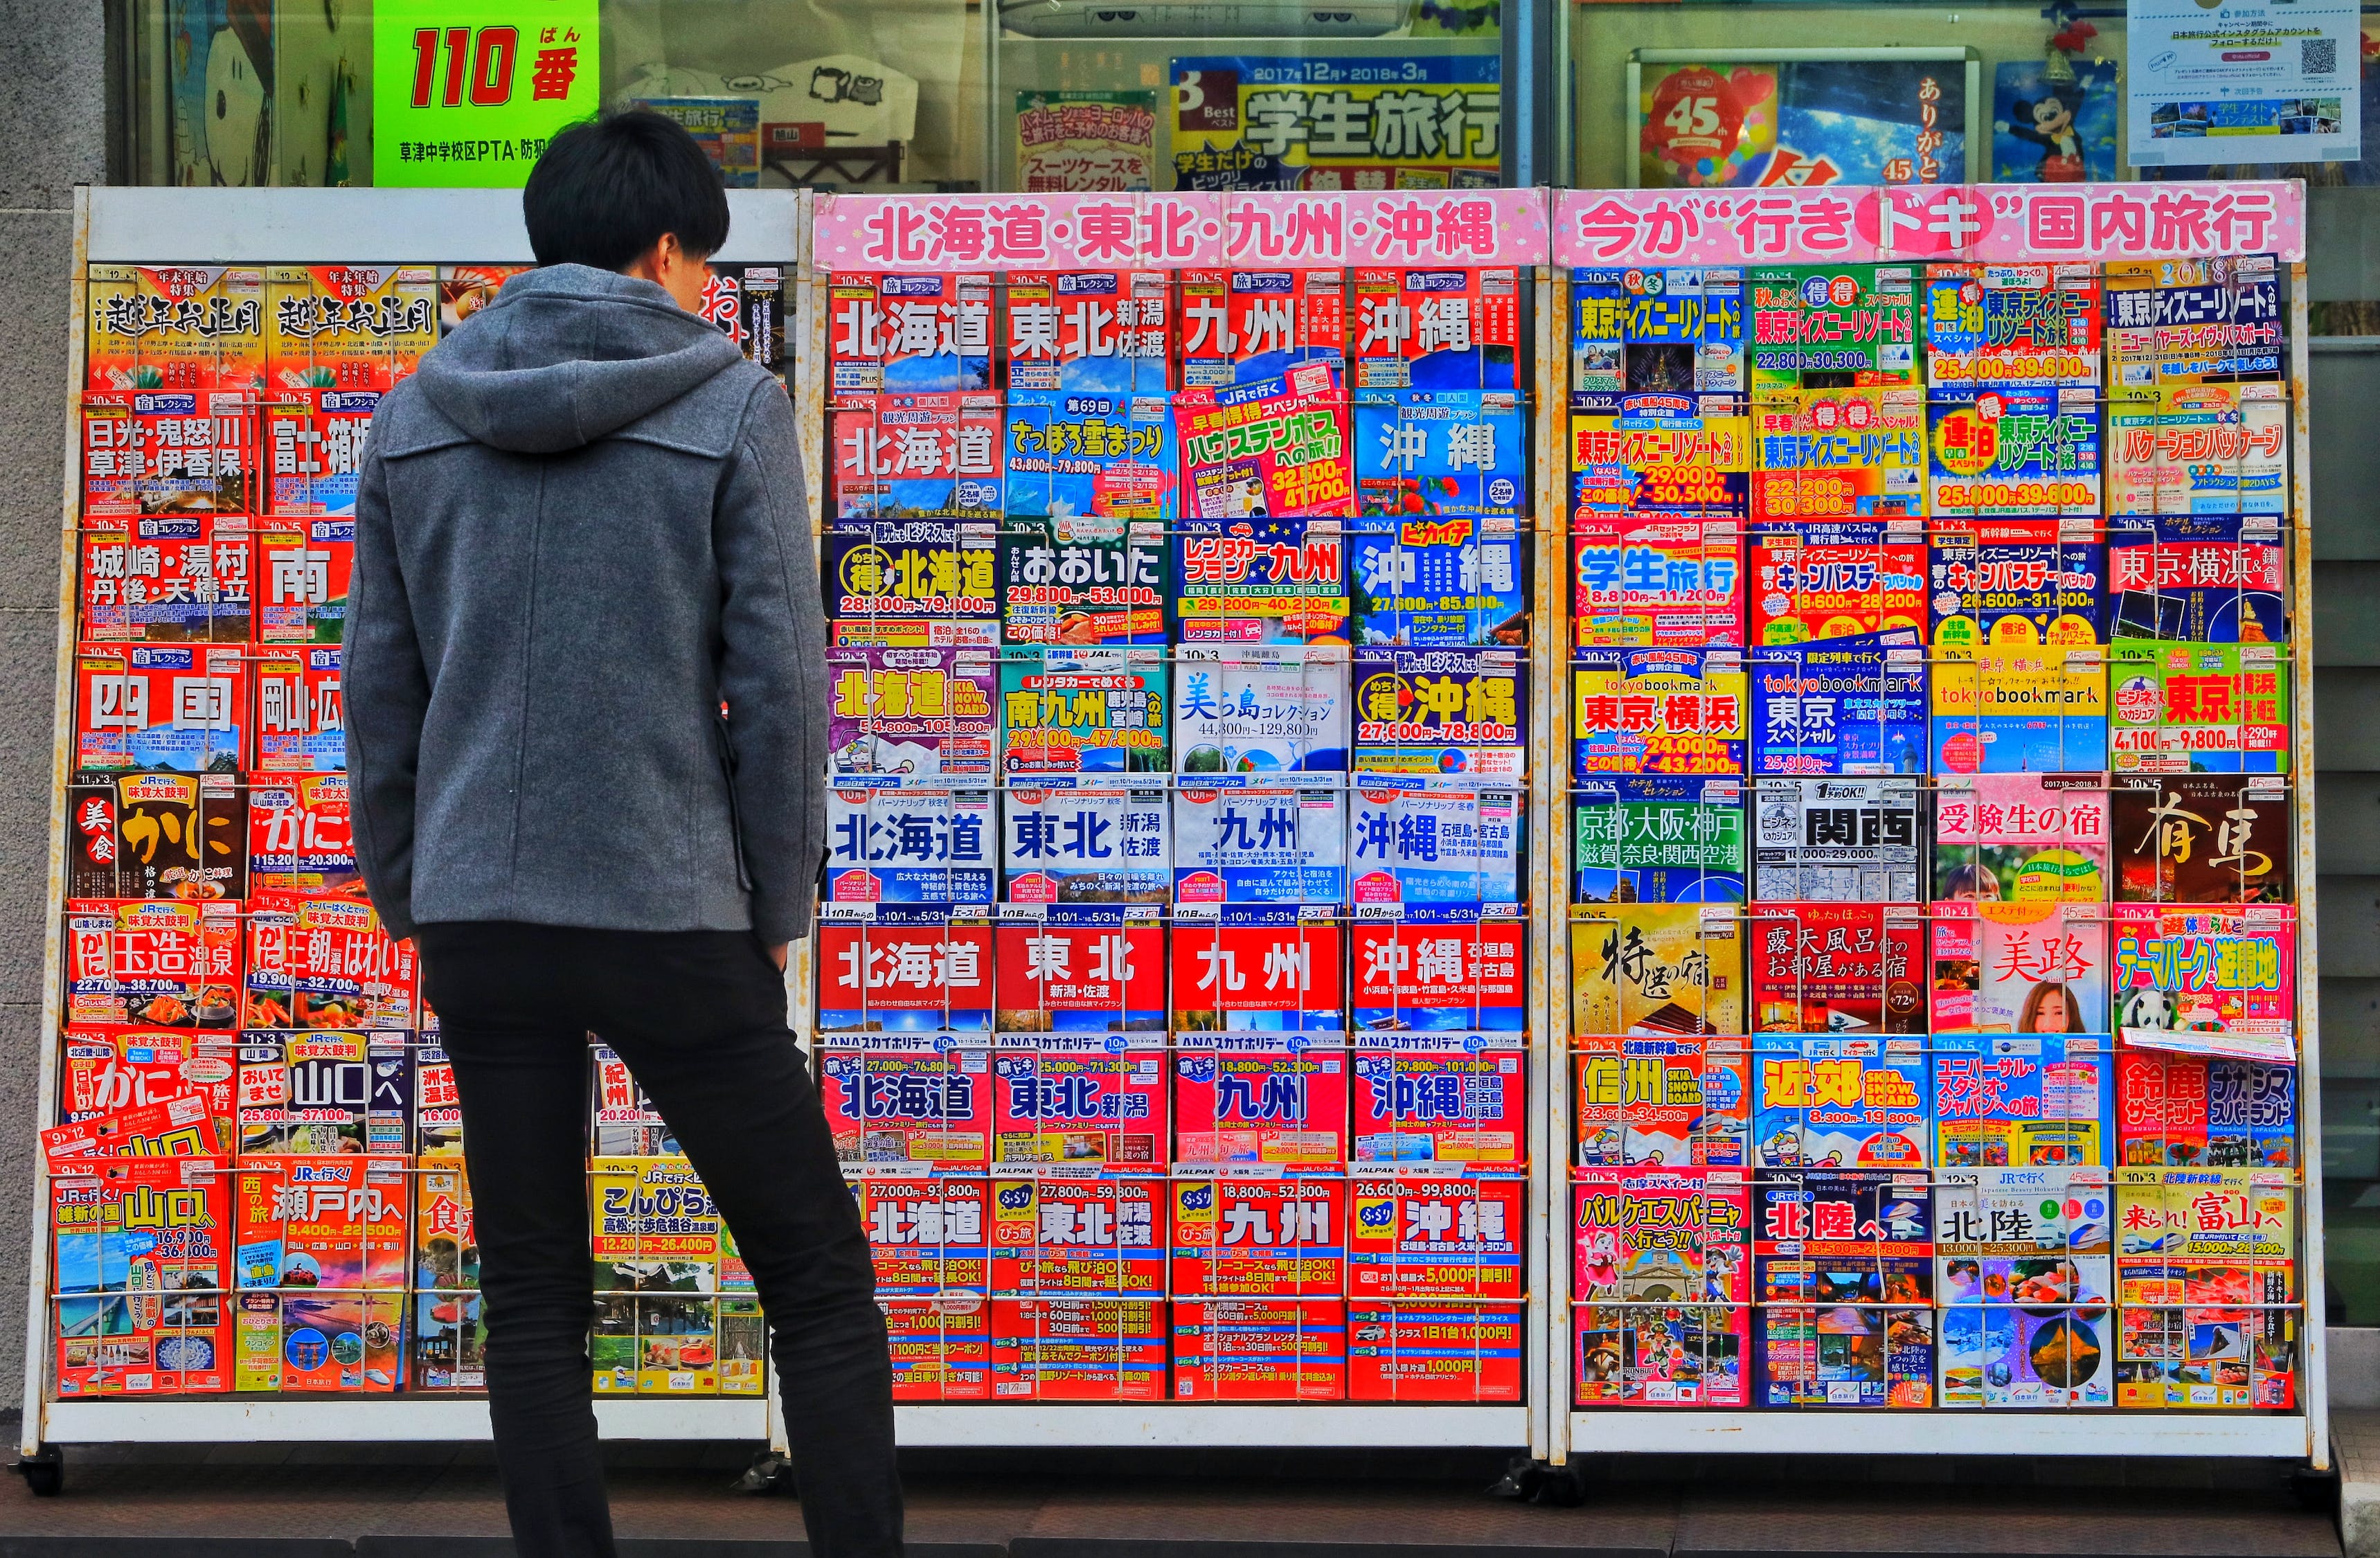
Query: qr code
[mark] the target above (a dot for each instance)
(2318, 57)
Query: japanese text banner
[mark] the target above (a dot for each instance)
(2002, 223)
(1287, 229)
(1373, 227)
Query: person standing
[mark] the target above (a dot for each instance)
(586, 706)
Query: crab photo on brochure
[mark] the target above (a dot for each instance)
(1660, 815)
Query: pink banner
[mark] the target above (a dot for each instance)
(1469, 227)
(1015, 232)
(1998, 223)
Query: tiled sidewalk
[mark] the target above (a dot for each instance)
(430, 1501)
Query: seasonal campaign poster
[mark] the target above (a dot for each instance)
(1291, 121)
(1721, 123)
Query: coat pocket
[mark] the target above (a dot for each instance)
(724, 742)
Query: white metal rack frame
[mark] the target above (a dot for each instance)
(483, 226)
(2301, 1433)
(1386, 1424)
(461, 226)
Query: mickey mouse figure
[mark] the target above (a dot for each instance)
(2052, 129)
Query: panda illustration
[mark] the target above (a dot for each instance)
(2154, 1009)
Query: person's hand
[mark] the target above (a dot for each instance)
(777, 955)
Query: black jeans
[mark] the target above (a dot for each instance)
(699, 1017)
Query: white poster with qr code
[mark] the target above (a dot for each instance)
(2244, 81)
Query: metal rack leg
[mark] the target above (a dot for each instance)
(44, 1471)
(1528, 1480)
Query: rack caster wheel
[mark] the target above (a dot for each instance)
(768, 1473)
(1533, 1481)
(2315, 1491)
(44, 1471)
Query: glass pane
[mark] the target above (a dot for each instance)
(1737, 94)
(833, 93)
(1247, 94)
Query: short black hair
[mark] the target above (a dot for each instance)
(608, 188)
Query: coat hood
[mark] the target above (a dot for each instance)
(567, 355)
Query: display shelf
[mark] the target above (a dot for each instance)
(2298, 1433)
(1937, 1434)
(395, 1418)
(1175, 1424)
(416, 1419)
(773, 226)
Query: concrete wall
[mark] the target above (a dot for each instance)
(53, 125)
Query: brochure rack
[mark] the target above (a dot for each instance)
(1592, 227)
(364, 226)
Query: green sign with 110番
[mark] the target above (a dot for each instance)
(466, 94)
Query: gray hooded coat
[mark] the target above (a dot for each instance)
(580, 528)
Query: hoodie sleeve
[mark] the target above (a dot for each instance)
(772, 665)
(387, 694)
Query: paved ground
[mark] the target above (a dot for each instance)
(434, 1502)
